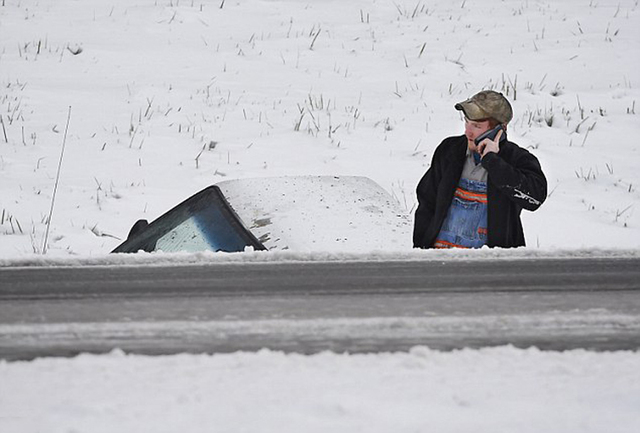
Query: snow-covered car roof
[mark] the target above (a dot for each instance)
(319, 213)
(299, 213)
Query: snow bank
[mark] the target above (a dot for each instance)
(164, 259)
(498, 389)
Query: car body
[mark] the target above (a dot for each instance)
(298, 213)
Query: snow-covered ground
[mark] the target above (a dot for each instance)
(166, 97)
(170, 96)
(489, 390)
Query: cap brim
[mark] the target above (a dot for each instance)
(471, 110)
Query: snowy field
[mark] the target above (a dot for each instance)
(166, 97)
(170, 96)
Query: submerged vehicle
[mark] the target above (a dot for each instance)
(298, 213)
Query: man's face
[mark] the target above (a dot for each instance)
(473, 129)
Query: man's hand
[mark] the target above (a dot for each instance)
(487, 145)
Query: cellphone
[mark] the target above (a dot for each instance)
(491, 134)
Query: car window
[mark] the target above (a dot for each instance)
(202, 222)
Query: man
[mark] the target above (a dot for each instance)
(475, 189)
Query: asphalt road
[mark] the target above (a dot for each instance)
(308, 307)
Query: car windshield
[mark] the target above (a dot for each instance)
(204, 222)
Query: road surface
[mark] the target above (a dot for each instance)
(306, 307)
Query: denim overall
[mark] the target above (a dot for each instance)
(466, 223)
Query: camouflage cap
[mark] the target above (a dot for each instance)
(487, 104)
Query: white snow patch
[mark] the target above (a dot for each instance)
(497, 389)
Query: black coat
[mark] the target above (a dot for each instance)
(515, 182)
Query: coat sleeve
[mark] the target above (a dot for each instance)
(427, 193)
(520, 177)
